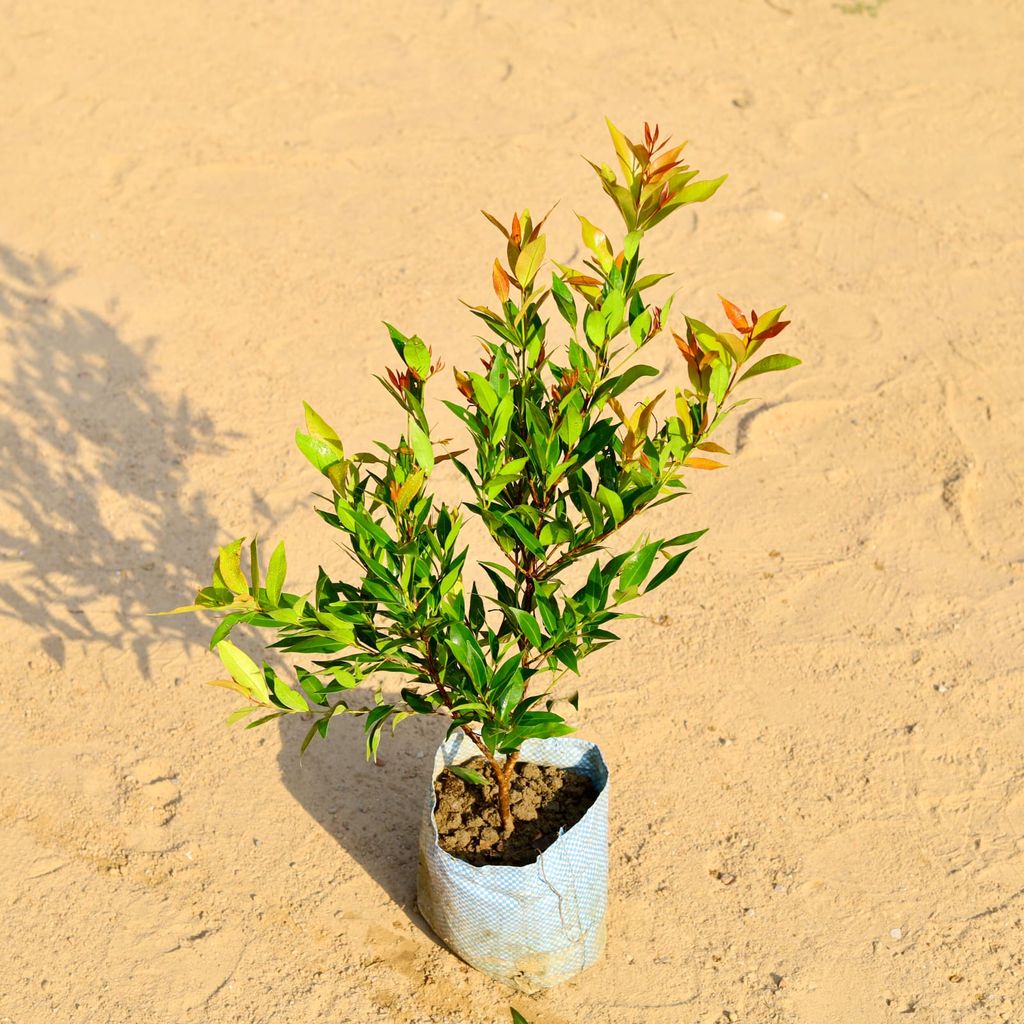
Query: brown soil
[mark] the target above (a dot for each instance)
(543, 798)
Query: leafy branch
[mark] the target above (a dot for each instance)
(556, 465)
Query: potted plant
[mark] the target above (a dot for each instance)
(557, 462)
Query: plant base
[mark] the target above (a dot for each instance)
(534, 925)
(545, 801)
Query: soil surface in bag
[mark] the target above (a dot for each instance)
(543, 800)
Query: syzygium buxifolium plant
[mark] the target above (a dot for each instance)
(556, 465)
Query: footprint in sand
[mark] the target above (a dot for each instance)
(156, 791)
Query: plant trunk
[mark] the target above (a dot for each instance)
(503, 805)
(503, 772)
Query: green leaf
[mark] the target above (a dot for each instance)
(417, 357)
(186, 608)
(320, 453)
(254, 567)
(613, 309)
(265, 719)
(564, 300)
(312, 685)
(467, 653)
(345, 679)
(313, 730)
(529, 541)
(214, 597)
(318, 427)
(640, 327)
(707, 336)
(635, 569)
(646, 282)
(512, 469)
(614, 386)
(502, 418)
(684, 538)
(226, 625)
(484, 394)
(417, 702)
(276, 572)
(668, 570)
(719, 380)
(231, 684)
(229, 565)
(542, 725)
(287, 696)
(632, 243)
(555, 533)
(766, 321)
(595, 240)
(598, 436)
(529, 261)
(517, 1017)
(244, 670)
(528, 626)
(373, 726)
(571, 426)
(398, 339)
(421, 447)
(699, 191)
(626, 160)
(595, 327)
(778, 361)
(612, 502)
(409, 490)
(467, 775)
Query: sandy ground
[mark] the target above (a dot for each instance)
(206, 210)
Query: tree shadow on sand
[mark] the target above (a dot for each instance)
(94, 529)
(372, 811)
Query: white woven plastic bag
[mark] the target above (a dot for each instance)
(532, 926)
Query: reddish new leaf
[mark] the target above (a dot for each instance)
(688, 346)
(735, 314)
(501, 281)
(536, 231)
(777, 329)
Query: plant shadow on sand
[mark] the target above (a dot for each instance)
(94, 530)
(373, 811)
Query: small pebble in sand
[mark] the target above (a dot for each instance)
(896, 933)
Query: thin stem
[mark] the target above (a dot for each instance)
(503, 801)
(549, 570)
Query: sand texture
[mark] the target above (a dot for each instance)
(206, 209)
